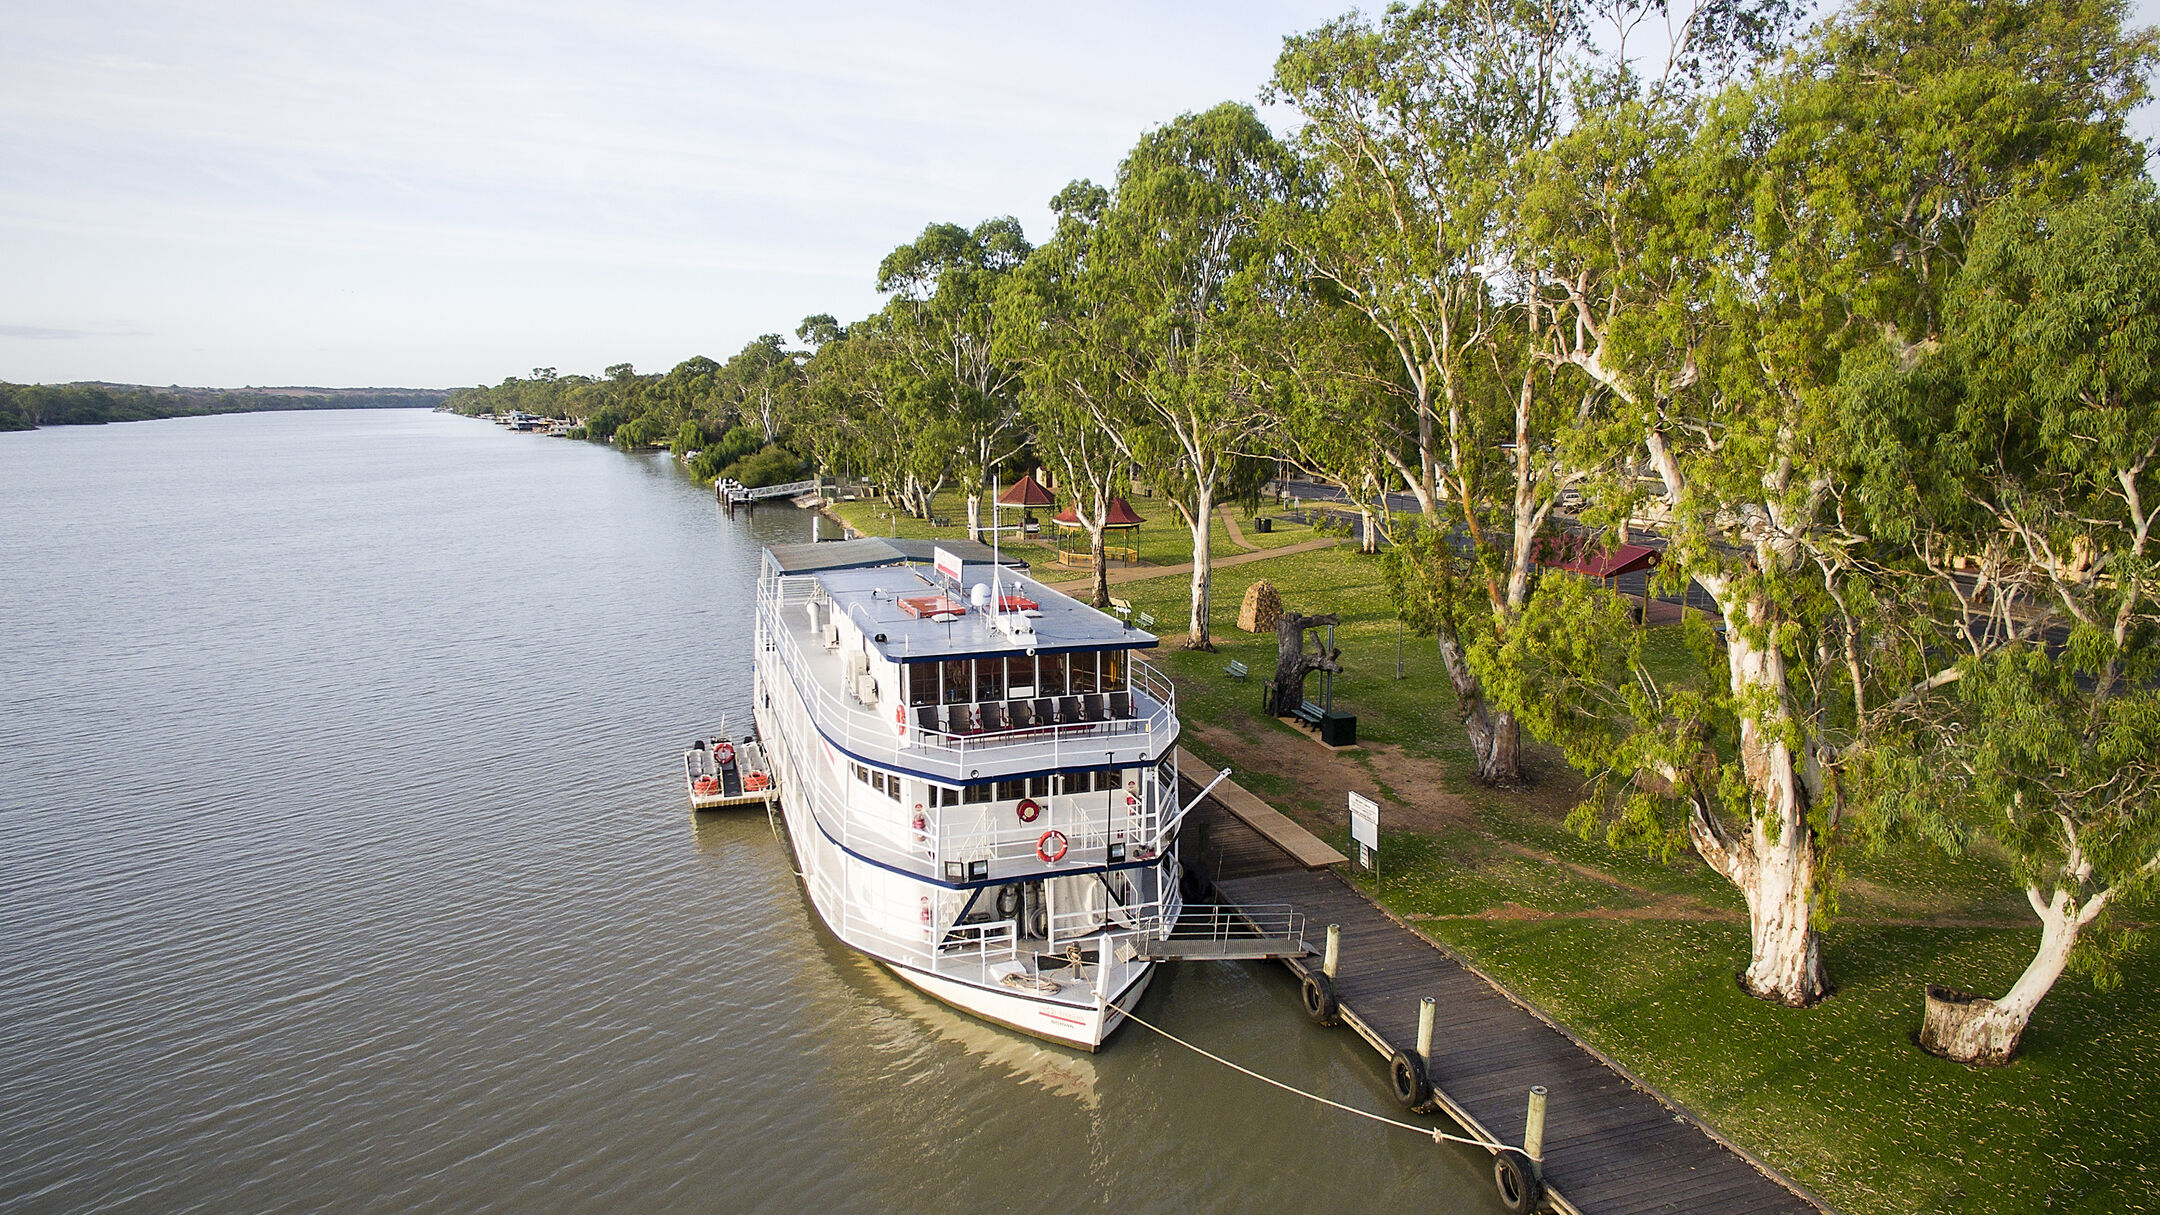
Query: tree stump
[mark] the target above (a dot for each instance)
(1293, 662)
(1968, 1028)
(1261, 609)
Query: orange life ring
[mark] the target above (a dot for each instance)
(1028, 810)
(724, 752)
(705, 784)
(755, 782)
(1051, 839)
(899, 717)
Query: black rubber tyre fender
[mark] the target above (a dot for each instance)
(1406, 1076)
(1516, 1177)
(1318, 997)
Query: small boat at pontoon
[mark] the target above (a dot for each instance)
(721, 773)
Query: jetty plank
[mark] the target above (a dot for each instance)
(1611, 1146)
(1271, 824)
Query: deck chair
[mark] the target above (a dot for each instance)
(993, 717)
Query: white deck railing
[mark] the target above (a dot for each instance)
(957, 758)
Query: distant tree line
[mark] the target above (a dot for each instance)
(1862, 320)
(29, 406)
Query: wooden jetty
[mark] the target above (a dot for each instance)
(1610, 1145)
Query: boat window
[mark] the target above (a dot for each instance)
(1080, 669)
(1020, 674)
(939, 795)
(1113, 671)
(922, 680)
(1053, 675)
(959, 681)
(976, 794)
(1109, 778)
(989, 679)
(1011, 790)
(892, 787)
(1038, 786)
(877, 781)
(862, 774)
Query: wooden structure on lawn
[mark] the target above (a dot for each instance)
(1072, 542)
(1584, 556)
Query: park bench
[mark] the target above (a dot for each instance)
(1145, 620)
(1236, 670)
(1310, 713)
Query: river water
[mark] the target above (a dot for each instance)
(346, 867)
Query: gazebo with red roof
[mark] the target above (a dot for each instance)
(1120, 518)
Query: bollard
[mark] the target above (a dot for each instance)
(1334, 950)
(1425, 1011)
(1533, 1136)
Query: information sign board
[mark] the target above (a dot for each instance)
(1365, 821)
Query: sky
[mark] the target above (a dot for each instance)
(437, 194)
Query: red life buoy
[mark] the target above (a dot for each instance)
(1028, 810)
(1051, 847)
(705, 784)
(899, 717)
(926, 909)
(724, 752)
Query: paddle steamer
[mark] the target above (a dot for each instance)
(978, 775)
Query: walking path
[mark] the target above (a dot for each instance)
(1140, 572)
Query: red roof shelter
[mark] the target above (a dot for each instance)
(1120, 519)
(1582, 555)
(1027, 491)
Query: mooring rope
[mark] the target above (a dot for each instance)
(1438, 1136)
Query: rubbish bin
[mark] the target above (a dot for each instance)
(1264, 524)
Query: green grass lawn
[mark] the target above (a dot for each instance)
(1162, 540)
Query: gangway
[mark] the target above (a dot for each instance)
(1223, 932)
(734, 492)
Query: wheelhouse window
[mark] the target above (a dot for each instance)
(959, 681)
(1020, 675)
(1080, 671)
(1113, 670)
(922, 684)
(989, 679)
(1052, 667)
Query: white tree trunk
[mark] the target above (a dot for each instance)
(1775, 865)
(1202, 567)
(1974, 1029)
(974, 505)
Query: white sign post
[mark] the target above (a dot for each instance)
(1365, 829)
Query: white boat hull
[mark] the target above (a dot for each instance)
(1086, 1028)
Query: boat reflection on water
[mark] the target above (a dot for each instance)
(1062, 1072)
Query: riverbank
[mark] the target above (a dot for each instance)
(1636, 955)
(29, 406)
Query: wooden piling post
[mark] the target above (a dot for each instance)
(1533, 1136)
(1334, 951)
(1426, 1009)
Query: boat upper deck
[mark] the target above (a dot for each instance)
(965, 680)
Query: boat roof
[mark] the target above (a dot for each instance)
(874, 596)
(812, 556)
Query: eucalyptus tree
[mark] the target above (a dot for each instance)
(761, 382)
(1415, 128)
(944, 322)
(1714, 267)
(2019, 458)
(1176, 283)
(1052, 329)
(820, 416)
